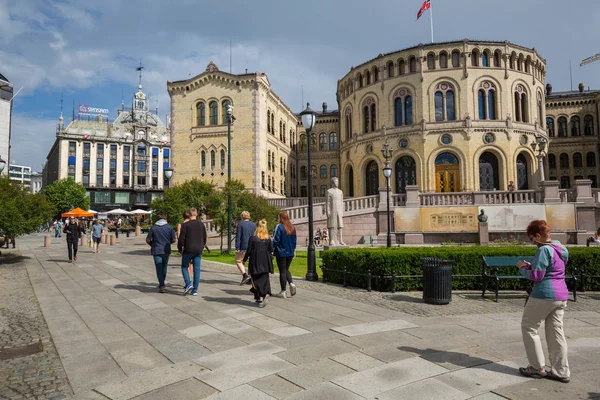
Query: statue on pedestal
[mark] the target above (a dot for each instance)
(482, 217)
(335, 213)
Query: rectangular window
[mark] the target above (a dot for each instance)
(85, 180)
(126, 151)
(72, 175)
(323, 190)
(99, 180)
(102, 197)
(157, 196)
(154, 152)
(125, 166)
(154, 181)
(86, 164)
(141, 150)
(126, 180)
(100, 164)
(113, 150)
(113, 180)
(121, 197)
(140, 197)
(86, 148)
(71, 161)
(72, 146)
(100, 150)
(166, 153)
(141, 165)
(141, 180)
(113, 164)
(154, 166)
(166, 165)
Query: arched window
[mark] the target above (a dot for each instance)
(302, 142)
(366, 123)
(475, 58)
(368, 77)
(390, 69)
(313, 170)
(373, 117)
(412, 64)
(486, 97)
(588, 125)
(281, 130)
(213, 160)
(577, 160)
(281, 166)
(303, 172)
(403, 107)
(497, 56)
(590, 159)
(323, 171)
(485, 59)
(550, 126)
(214, 113)
(269, 160)
(575, 126)
(401, 67)
(565, 182)
(521, 105)
(443, 60)
(369, 115)
(333, 141)
(430, 61)
(268, 121)
(222, 159)
(562, 127)
(520, 63)
(375, 74)
(273, 123)
(350, 181)
(551, 161)
(455, 59)
(333, 171)
(444, 102)
(313, 141)
(527, 64)
(513, 59)
(372, 178)
(360, 80)
(322, 142)
(203, 160)
(225, 104)
(540, 107)
(348, 123)
(564, 160)
(200, 114)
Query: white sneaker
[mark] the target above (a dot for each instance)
(281, 295)
(292, 289)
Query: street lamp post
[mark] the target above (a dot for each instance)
(168, 174)
(230, 119)
(387, 152)
(308, 121)
(540, 145)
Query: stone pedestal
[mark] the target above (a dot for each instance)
(551, 194)
(581, 237)
(138, 230)
(584, 191)
(104, 238)
(560, 236)
(113, 240)
(47, 240)
(484, 234)
(412, 196)
(414, 238)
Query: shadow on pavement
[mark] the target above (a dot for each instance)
(491, 296)
(230, 300)
(593, 396)
(144, 287)
(144, 252)
(459, 359)
(239, 292)
(407, 298)
(11, 258)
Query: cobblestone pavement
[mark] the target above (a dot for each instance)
(23, 331)
(463, 302)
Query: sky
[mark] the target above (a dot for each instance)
(87, 52)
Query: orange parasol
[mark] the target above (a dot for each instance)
(78, 212)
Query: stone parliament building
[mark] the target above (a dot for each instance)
(461, 117)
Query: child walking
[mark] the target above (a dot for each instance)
(260, 254)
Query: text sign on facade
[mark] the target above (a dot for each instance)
(87, 110)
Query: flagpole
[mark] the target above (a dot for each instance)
(431, 20)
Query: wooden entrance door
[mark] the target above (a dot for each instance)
(447, 178)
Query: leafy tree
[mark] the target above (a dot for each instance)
(177, 199)
(65, 195)
(21, 212)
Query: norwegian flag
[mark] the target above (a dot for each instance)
(426, 6)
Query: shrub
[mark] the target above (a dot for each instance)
(406, 261)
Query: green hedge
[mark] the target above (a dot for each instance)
(467, 261)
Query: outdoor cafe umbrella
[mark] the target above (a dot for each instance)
(141, 212)
(77, 213)
(118, 211)
(93, 212)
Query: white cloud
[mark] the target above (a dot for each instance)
(31, 139)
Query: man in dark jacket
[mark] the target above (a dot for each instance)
(160, 237)
(245, 230)
(192, 240)
(73, 233)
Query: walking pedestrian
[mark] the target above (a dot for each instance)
(260, 254)
(547, 303)
(160, 237)
(284, 242)
(245, 230)
(73, 233)
(97, 230)
(57, 228)
(191, 243)
(186, 218)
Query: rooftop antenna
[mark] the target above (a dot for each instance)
(230, 55)
(122, 101)
(60, 119)
(139, 69)
(156, 106)
(571, 74)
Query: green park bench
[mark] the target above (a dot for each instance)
(495, 268)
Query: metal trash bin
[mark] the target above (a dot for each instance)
(437, 280)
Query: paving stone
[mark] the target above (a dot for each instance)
(187, 389)
(276, 386)
(136, 355)
(266, 323)
(288, 331)
(386, 377)
(314, 373)
(327, 391)
(373, 327)
(424, 390)
(241, 313)
(219, 342)
(316, 351)
(199, 331)
(488, 396)
(238, 356)
(357, 360)
(243, 392)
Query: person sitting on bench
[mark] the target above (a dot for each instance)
(594, 239)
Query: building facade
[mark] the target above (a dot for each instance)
(36, 182)
(121, 164)
(20, 174)
(6, 95)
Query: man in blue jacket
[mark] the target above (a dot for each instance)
(160, 237)
(245, 230)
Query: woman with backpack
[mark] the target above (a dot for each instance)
(284, 241)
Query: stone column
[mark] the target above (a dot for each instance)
(484, 234)
(550, 189)
(585, 209)
(138, 230)
(47, 240)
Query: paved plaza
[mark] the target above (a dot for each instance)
(99, 329)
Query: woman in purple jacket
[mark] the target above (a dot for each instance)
(284, 242)
(547, 303)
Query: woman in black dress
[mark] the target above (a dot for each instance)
(260, 253)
